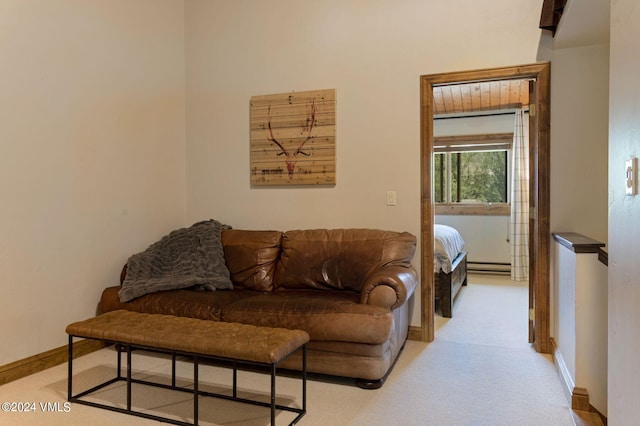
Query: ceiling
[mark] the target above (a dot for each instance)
(583, 23)
(480, 96)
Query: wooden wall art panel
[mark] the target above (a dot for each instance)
(293, 138)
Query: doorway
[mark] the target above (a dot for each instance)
(539, 235)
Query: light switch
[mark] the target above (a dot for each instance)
(391, 198)
(631, 176)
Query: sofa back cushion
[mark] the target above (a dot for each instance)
(251, 257)
(339, 259)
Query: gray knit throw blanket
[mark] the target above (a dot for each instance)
(187, 257)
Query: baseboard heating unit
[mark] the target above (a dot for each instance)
(489, 267)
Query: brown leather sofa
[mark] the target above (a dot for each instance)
(350, 289)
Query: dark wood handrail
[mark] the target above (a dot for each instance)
(603, 256)
(578, 243)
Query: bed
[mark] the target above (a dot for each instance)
(449, 266)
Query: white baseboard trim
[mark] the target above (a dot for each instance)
(578, 397)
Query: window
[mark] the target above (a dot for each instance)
(472, 171)
(475, 177)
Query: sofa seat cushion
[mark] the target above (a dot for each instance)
(207, 305)
(329, 316)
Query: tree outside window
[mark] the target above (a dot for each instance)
(470, 177)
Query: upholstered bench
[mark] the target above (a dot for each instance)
(196, 339)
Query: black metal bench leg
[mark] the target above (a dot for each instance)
(195, 390)
(235, 379)
(273, 394)
(173, 369)
(119, 375)
(304, 378)
(129, 377)
(69, 381)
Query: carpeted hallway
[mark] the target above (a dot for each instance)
(480, 370)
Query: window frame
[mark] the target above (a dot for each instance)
(469, 143)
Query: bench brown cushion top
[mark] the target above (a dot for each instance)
(190, 335)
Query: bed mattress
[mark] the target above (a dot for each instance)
(448, 243)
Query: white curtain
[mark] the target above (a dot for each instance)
(519, 228)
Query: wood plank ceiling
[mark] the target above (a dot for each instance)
(480, 96)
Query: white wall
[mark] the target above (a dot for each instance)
(624, 216)
(591, 330)
(486, 237)
(92, 114)
(474, 125)
(581, 330)
(579, 134)
(373, 54)
(579, 138)
(92, 164)
(565, 331)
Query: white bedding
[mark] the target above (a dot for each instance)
(447, 244)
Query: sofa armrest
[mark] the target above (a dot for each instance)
(389, 287)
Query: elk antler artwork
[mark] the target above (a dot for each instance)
(298, 129)
(290, 158)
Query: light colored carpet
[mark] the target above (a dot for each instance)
(491, 310)
(478, 371)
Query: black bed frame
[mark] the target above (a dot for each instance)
(448, 285)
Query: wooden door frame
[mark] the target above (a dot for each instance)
(540, 174)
